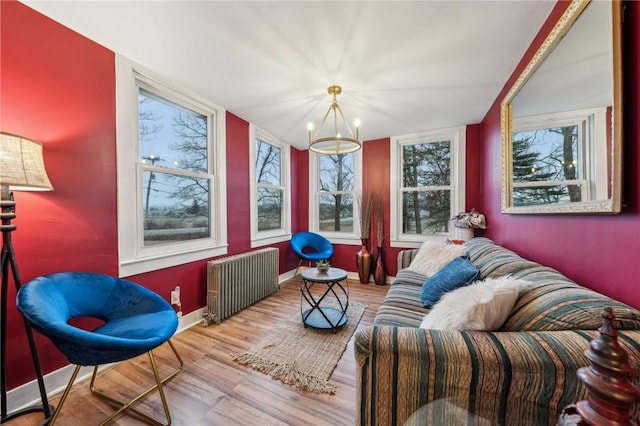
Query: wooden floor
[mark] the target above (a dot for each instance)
(213, 389)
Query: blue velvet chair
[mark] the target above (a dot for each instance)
(133, 321)
(311, 247)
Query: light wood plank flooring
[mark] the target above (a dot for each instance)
(213, 389)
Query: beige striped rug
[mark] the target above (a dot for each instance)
(303, 357)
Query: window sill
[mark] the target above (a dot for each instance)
(401, 243)
(142, 265)
(265, 241)
(344, 240)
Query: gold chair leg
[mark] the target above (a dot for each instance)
(297, 267)
(128, 406)
(56, 412)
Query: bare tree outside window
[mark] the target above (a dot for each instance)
(336, 195)
(270, 191)
(174, 162)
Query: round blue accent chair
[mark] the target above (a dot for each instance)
(134, 320)
(311, 247)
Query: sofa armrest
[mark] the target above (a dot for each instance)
(405, 257)
(504, 377)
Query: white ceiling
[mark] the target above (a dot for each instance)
(404, 67)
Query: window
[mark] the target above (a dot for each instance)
(170, 149)
(270, 182)
(554, 158)
(334, 182)
(427, 176)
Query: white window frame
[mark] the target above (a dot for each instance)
(134, 258)
(592, 157)
(457, 136)
(348, 238)
(262, 238)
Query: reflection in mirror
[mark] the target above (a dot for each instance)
(555, 158)
(561, 119)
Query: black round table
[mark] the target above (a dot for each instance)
(325, 308)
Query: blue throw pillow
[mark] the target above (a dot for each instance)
(457, 273)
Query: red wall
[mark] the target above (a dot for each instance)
(299, 203)
(58, 87)
(238, 208)
(598, 251)
(376, 174)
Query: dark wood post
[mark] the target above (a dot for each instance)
(611, 394)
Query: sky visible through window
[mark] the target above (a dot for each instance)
(159, 131)
(174, 138)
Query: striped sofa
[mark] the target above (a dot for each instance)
(523, 374)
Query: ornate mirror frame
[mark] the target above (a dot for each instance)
(613, 203)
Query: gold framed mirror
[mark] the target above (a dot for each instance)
(561, 121)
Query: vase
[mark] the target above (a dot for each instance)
(379, 272)
(464, 234)
(323, 269)
(363, 262)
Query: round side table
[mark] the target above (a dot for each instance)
(325, 309)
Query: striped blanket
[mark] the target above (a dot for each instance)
(523, 374)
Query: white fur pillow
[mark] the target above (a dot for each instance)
(482, 306)
(433, 255)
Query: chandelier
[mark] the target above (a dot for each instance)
(336, 142)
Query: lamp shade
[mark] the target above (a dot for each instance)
(22, 165)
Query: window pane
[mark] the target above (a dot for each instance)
(425, 212)
(270, 207)
(426, 164)
(268, 163)
(538, 195)
(546, 155)
(336, 212)
(336, 172)
(176, 208)
(170, 135)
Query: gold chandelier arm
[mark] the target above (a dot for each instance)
(321, 124)
(346, 123)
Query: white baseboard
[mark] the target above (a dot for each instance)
(287, 275)
(354, 276)
(28, 395)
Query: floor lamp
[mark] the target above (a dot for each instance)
(21, 168)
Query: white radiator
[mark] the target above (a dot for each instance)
(235, 282)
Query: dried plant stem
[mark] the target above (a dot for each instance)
(366, 203)
(379, 220)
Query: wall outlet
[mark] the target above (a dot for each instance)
(175, 301)
(175, 296)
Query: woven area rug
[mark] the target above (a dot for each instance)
(303, 357)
